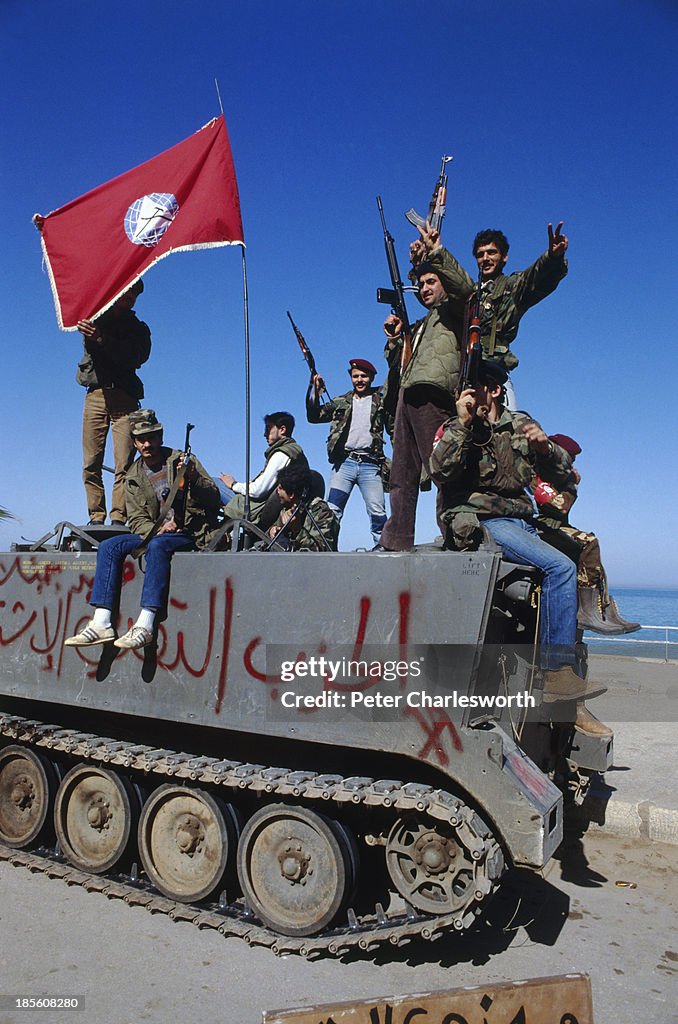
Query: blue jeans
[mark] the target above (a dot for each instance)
(366, 475)
(520, 543)
(225, 493)
(112, 553)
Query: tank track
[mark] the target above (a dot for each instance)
(363, 933)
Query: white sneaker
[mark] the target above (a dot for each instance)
(135, 638)
(91, 635)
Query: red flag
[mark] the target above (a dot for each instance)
(100, 244)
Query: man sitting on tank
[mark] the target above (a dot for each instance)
(305, 523)
(282, 451)
(485, 458)
(187, 524)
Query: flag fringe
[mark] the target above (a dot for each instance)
(194, 246)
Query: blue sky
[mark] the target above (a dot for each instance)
(565, 110)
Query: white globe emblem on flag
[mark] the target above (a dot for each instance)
(149, 217)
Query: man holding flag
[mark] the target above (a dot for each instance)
(116, 345)
(98, 247)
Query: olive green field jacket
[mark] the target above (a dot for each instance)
(202, 503)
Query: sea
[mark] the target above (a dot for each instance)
(657, 608)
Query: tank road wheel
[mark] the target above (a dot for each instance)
(296, 868)
(94, 817)
(185, 838)
(28, 783)
(429, 867)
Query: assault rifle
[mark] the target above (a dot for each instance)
(436, 208)
(395, 295)
(182, 490)
(306, 352)
(283, 538)
(471, 353)
(395, 298)
(174, 498)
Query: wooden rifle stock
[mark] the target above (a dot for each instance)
(306, 352)
(182, 493)
(437, 206)
(472, 350)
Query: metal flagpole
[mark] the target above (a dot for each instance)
(243, 539)
(247, 384)
(221, 107)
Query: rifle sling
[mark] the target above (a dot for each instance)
(164, 509)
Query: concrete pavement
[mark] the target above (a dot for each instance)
(638, 797)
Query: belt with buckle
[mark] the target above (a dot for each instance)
(362, 457)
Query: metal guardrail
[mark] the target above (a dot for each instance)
(669, 643)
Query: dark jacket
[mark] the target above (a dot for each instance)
(111, 362)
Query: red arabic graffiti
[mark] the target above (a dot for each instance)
(438, 730)
(41, 604)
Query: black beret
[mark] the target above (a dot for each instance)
(491, 371)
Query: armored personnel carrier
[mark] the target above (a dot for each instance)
(313, 756)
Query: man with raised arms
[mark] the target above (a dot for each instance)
(428, 378)
(504, 298)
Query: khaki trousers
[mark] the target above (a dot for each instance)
(104, 408)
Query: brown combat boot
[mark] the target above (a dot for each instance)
(565, 684)
(590, 614)
(611, 614)
(588, 724)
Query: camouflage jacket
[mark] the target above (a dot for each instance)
(319, 524)
(125, 346)
(202, 504)
(487, 476)
(504, 300)
(337, 412)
